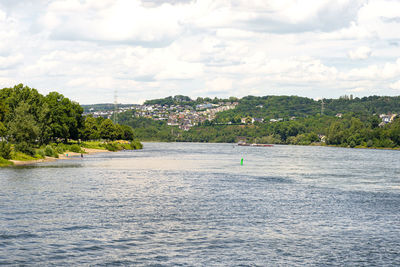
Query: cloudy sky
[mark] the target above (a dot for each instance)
(144, 49)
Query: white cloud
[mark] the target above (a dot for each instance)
(217, 86)
(7, 82)
(357, 90)
(120, 21)
(10, 61)
(363, 52)
(152, 48)
(395, 85)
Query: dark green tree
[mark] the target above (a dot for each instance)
(23, 128)
(107, 130)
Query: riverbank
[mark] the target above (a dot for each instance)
(67, 155)
(54, 151)
(284, 144)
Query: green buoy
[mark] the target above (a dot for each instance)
(241, 162)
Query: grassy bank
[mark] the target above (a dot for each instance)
(9, 153)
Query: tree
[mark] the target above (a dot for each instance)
(90, 130)
(107, 130)
(65, 116)
(335, 134)
(23, 128)
(3, 130)
(128, 132)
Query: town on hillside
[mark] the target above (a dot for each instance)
(187, 116)
(184, 116)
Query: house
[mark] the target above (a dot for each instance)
(339, 115)
(387, 118)
(245, 120)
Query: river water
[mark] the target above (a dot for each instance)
(189, 204)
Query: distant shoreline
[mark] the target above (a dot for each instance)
(312, 144)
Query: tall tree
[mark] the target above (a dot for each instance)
(107, 130)
(23, 128)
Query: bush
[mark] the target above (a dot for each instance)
(112, 147)
(4, 162)
(136, 145)
(60, 148)
(26, 148)
(41, 153)
(5, 150)
(75, 148)
(50, 152)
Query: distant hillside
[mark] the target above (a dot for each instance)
(103, 107)
(185, 100)
(268, 107)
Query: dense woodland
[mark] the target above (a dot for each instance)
(29, 121)
(273, 107)
(302, 122)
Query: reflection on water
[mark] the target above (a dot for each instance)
(194, 204)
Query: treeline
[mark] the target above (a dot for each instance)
(273, 107)
(29, 120)
(352, 130)
(349, 131)
(187, 101)
(148, 129)
(103, 107)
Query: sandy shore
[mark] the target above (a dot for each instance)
(66, 155)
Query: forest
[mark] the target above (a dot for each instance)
(304, 121)
(34, 125)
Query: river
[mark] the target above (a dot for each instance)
(190, 204)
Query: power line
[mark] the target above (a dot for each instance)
(115, 120)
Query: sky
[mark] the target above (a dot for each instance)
(146, 49)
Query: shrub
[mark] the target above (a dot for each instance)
(4, 162)
(60, 148)
(75, 148)
(41, 153)
(136, 145)
(50, 152)
(5, 150)
(111, 146)
(26, 148)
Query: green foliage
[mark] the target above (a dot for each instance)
(148, 129)
(22, 126)
(30, 120)
(64, 116)
(40, 153)
(20, 156)
(108, 130)
(3, 130)
(60, 148)
(112, 146)
(93, 144)
(90, 130)
(128, 133)
(5, 162)
(25, 148)
(5, 150)
(116, 146)
(136, 145)
(75, 148)
(49, 151)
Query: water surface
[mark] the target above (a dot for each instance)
(193, 204)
